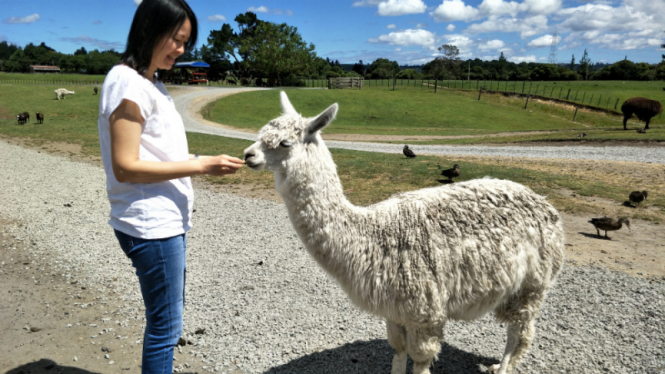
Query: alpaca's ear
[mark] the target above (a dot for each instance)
(323, 119)
(287, 107)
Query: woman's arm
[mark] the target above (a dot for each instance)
(126, 131)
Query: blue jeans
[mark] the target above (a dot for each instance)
(160, 266)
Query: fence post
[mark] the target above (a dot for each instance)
(568, 95)
(479, 92)
(491, 81)
(477, 84)
(590, 100)
(599, 98)
(575, 115)
(527, 101)
(607, 104)
(552, 92)
(523, 85)
(615, 104)
(575, 99)
(530, 85)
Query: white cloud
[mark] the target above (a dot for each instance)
(492, 44)
(421, 26)
(216, 18)
(454, 10)
(450, 27)
(405, 38)
(261, 9)
(498, 8)
(518, 59)
(541, 6)
(391, 26)
(543, 41)
(401, 7)
(138, 2)
(367, 3)
(528, 26)
(29, 19)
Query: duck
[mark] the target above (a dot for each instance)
(408, 152)
(451, 173)
(581, 135)
(608, 224)
(637, 197)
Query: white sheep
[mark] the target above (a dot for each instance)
(61, 92)
(419, 258)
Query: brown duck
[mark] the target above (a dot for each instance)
(608, 224)
(637, 197)
(451, 173)
(408, 152)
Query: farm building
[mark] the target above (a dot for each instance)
(192, 72)
(44, 69)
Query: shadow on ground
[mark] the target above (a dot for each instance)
(371, 357)
(44, 366)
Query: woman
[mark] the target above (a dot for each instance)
(148, 165)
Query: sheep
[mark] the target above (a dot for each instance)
(40, 117)
(419, 258)
(643, 108)
(61, 92)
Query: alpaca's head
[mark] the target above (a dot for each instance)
(287, 136)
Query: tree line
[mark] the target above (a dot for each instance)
(264, 53)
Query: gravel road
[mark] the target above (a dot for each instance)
(267, 308)
(654, 154)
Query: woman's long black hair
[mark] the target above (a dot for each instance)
(153, 20)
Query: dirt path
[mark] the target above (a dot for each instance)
(50, 325)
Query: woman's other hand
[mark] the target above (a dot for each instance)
(220, 165)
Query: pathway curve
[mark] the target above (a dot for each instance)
(189, 103)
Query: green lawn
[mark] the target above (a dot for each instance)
(367, 177)
(420, 112)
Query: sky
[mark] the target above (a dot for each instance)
(407, 31)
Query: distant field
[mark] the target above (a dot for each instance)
(28, 79)
(420, 112)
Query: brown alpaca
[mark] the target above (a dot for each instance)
(643, 108)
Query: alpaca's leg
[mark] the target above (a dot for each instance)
(519, 312)
(397, 340)
(647, 126)
(423, 345)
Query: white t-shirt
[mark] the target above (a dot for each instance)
(146, 210)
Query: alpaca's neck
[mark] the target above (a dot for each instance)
(318, 209)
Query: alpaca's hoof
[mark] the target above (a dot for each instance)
(493, 369)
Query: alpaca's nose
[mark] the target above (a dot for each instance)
(248, 155)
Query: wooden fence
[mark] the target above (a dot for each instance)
(346, 83)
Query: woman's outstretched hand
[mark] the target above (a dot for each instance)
(220, 165)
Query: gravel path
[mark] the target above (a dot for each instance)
(654, 154)
(267, 308)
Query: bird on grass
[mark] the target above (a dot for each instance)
(451, 173)
(608, 224)
(637, 197)
(581, 135)
(408, 152)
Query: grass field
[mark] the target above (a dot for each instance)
(367, 177)
(420, 112)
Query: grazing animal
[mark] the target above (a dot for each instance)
(40, 117)
(20, 118)
(95, 89)
(582, 135)
(638, 197)
(608, 224)
(454, 172)
(423, 257)
(643, 108)
(61, 92)
(408, 152)
(26, 116)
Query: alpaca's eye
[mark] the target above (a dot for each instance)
(286, 143)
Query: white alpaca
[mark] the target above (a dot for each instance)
(419, 258)
(61, 92)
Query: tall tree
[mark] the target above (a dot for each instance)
(450, 60)
(572, 62)
(585, 64)
(359, 67)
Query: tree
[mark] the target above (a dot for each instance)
(585, 62)
(266, 49)
(383, 68)
(572, 63)
(80, 51)
(450, 60)
(359, 67)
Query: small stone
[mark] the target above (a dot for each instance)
(106, 357)
(76, 358)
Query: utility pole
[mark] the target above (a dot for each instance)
(468, 75)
